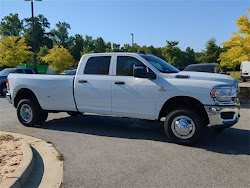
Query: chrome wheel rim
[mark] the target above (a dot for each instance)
(183, 127)
(26, 113)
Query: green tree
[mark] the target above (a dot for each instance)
(13, 51)
(59, 58)
(60, 35)
(100, 45)
(188, 57)
(172, 54)
(145, 49)
(108, 47)
(85, 51)
(88, 44)
(199, 57)
(11, 26)
(116, 47)
(129, 48)
(77, 47)
(44, 50)
(212, 52)
(153, 50)
(42, 38)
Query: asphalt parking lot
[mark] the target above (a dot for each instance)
(102, 151)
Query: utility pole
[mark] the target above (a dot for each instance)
(132, 39)
(33, 33)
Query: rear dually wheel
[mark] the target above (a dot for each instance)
(30, 113)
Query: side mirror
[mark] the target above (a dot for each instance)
(141, 71)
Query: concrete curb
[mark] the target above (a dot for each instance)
(51, 172)
(21, 174)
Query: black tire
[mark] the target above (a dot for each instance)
(193, 118)
(42, 118)
(35, 111)
(75, 113)
(244, 80)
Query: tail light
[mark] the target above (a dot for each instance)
(240, 71)
(7, 84)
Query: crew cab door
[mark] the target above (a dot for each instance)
(93, 84)
(132, 97)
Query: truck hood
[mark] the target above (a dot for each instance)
(223, 79)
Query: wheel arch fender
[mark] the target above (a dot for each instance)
(24, 93)
(182, 101)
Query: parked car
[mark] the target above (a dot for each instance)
(65, 72)
(131, 85)
(69, 72)
(245, 70)
(205, 67)
(4, 73)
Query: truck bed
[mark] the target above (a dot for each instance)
(54, 92)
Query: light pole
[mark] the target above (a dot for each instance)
(132, 39)
(33, 31)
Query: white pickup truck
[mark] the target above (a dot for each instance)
(135, 85)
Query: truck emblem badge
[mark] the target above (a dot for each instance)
(162, 88)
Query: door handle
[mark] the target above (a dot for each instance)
(119, 83)
(82, 81)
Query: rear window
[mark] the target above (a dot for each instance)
(98, 65)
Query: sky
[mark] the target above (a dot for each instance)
(191, 22)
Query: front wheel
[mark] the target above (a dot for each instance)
(184, 126)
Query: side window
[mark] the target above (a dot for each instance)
(98, 65)
(19, 71)
(28, 71)
(125, 65)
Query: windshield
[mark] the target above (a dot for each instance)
(160, 64)
(5, 72)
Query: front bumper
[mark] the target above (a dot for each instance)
(8, 97)
(245, 76)
(223, 116)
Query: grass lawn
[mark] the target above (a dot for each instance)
(235, 74)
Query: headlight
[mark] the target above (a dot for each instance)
(224, 93)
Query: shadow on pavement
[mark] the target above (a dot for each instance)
(232, 141)
(36, 175)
